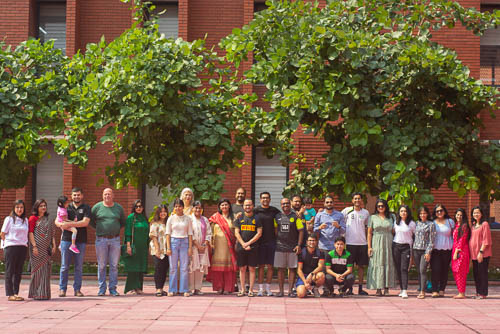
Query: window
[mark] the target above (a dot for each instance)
(52, 23)
(49, 180)
(490, 54)
(268, 175)
(168, 22)
(152, 199)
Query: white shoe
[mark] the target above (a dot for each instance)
(403, 294)
(269, 293)
(260, 293)
(400, 293)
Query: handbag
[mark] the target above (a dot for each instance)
(132, 246)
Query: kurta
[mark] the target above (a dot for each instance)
(381, 271)
(460, 266)
(41, 265)
(221, 259)
(200, 261)
(139, 261)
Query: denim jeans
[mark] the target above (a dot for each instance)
(107, 252)
(67, 257)
(179, 254)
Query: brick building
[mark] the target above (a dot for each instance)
(74, 23)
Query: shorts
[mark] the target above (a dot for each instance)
(266, 252)
(301, 282)
(285, 260)
(359, 254)
(247, 258)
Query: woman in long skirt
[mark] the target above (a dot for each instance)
(42, 245)
(137, 234)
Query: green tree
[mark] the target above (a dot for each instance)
(398, 111)
(33, 97)
(150, 98)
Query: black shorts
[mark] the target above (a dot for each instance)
(266, 252)
(359, 254)
(247, 258)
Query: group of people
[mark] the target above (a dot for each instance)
(316, 249)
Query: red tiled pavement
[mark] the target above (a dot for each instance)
(229, 314)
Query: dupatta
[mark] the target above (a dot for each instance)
(218, 219)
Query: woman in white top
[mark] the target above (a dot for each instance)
(15, 245)
(202, 234)
(179, 248)
(404, 228)
(158, 247)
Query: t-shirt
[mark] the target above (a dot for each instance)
(309, 214)
(237, 208)
(356, 222)
(248, 229)
(77, 214)
(403, 234)
(266, 217)
(16, 232)
(62, 214)
(288, 231)
(310, 261)
(338, 263)
(179, 226)
(107, 220)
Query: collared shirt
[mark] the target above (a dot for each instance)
(425, 234)
(77, 214)
(328, 235)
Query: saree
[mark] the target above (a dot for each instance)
(41, 265)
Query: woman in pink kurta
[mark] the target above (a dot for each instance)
(460, 252)
(480, 251)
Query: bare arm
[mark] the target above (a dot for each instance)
(369, 237)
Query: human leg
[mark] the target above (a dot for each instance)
(78, 265)
(483, 276)
(445, 267)
(101, 252)
(18, 268)
(173, 260)
(405, 263)
(436, 261)
(251, 277)
(114, 259)
(66, 257)
(243, 271)
(184, 265)
(397, 254)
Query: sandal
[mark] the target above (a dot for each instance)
(19, 298)
(159, 293)
(378, 293)
(241, 293)
(421, 296)
(250, 294)
(12, 299)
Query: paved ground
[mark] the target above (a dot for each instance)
(231, 314)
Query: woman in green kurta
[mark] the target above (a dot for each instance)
(381, 271)
(136, 233)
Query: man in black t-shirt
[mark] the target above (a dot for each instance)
(79, 214)
(289, 233)
(267, 243)
(310, 268)
(339, 263)
(248, 229)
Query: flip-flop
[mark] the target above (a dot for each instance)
(250, 294)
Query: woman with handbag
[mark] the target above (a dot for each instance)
(135, 250)
(42, 245)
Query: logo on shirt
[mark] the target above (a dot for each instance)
(285, 228)
(339, 261)
(292, 220)
(248, 228)
(253, 221)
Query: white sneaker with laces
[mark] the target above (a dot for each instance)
(260, 293)
(404, 295)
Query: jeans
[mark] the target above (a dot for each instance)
(401, 254)
(107, 252)
(67, 257)
(179, 254)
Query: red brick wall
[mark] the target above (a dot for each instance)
(15, 21)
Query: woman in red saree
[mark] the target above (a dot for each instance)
(223, 267)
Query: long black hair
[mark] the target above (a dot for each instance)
(134, 207)
(424, 208)
(472, 219)
(156, 217)
(225, 200)
(13, 212)
(61, 201)
(36, 207)
(408, 219)
(439, 205)
(464, 225)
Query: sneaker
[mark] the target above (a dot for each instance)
(292, 294)
(403, 294)
(74, 249)
(269, 293)
(101, 293)
(78, 293)
(62, 293)
(362, 292)
(114, 293)
(187, 294)
(316, 293)
(349, 292)
(260, 293)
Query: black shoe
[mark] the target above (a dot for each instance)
(362, 292)
(349, 292)
(326, 293)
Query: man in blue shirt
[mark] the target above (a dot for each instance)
(329, 224)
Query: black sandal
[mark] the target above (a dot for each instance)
(160, 294)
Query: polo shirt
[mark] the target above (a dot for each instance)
(77, 214)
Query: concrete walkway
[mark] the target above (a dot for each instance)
(231, 314)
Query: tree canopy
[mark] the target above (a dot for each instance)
(33, 97)
(399, 112)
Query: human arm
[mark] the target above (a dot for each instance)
(486, 240)
(167, 237)
(300, 273)
(6, 227)
(431, 235)
(238, 236)
(369, 237)
(255, 238)
(190, 246)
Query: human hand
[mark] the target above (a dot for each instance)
(158, 254)
(370, 252)
(480, 257)
(340, 278)
(322, 226)
(35, 251)
(427, 257)
(169, 252)
(336, 224)
(190, 252)
(129, 250)
(297, 250)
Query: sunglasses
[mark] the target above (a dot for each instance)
(138, 206)
(439, 211)
(380, 206)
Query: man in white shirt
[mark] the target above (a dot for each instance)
(356, 219)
